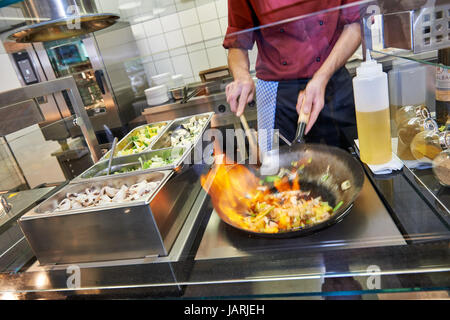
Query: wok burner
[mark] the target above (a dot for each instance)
(367, 225)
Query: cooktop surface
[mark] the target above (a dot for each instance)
(368, 224)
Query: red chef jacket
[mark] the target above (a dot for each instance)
(296, 47)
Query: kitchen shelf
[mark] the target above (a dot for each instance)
(426, 58)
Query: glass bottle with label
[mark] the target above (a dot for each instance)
(443, 88)
(427, 145)
(408, 130)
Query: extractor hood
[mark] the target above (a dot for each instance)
(49, 20)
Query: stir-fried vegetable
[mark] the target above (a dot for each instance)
(289, 208)
(284, 211)
(346, 185)
(272, 204)
(338, 206)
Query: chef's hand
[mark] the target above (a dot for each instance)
(240, 93)
(314, 99)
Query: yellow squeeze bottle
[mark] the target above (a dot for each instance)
(372, 112)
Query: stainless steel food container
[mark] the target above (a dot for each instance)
(195, 152)
(178, 93)
(163, 141)
(99, 171)
(127, 230)
(124, 143)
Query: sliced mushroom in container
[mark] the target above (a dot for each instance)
(96, 196)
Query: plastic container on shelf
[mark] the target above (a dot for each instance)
(441, 167)
(407, 86)
(372, 112)
(427, 145)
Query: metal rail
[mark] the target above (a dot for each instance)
(67, 84)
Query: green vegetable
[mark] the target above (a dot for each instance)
(338, 206)
(154, 162)
(325, 177)
(272, 178)
(263, 214)
(147, 165)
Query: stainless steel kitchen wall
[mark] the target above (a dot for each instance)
(121, 58)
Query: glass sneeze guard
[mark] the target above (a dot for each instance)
(395, 231)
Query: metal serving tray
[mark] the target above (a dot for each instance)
(126, 230)
(99, 171)
(163, 141)
(124, 143)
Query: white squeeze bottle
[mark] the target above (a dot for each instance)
(371, 93)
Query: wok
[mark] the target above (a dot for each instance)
(328, 168)
(333, 163)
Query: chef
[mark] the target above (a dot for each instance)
(303, 46)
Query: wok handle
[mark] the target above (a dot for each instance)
(303, 120)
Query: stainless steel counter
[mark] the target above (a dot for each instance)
(14, 249)
(368, 225)
(209, 259)
(20, 203)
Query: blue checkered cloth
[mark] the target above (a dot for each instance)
(266, 100)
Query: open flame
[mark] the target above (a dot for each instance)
(234, 189)
(231, 187)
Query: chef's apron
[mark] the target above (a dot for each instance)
(276, 107)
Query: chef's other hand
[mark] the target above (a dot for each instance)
(239, 93)
(314, 100)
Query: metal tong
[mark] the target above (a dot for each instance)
(5, 207)
(188, 97)
(113, 149)
(303, 120)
